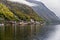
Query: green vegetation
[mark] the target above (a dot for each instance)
(16, 12)
(6, 13)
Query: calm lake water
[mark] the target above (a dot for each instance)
(29, 32)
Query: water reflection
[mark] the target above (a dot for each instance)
(19, 32)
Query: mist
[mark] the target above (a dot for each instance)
(53, 5)
(24, 2)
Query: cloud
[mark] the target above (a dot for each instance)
(24, 2)
(53, 5)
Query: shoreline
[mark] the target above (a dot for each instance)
(21, 23)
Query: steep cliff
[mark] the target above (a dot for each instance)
(44, 12)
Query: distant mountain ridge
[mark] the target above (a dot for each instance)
(44, 12)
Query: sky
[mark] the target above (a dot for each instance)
(53, 5)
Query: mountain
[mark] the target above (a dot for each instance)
(44, 12)
(26, 12)
(16, 11)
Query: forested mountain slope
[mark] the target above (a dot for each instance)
(17, 11)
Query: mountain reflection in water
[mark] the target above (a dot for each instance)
(19, 32)
(30, 32)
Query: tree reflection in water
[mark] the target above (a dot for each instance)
(19, 32)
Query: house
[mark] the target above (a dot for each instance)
(32, 20)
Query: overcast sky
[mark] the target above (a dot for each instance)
(53, 5)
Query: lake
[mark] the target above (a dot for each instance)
(29, 32)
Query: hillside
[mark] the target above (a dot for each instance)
(6, 13)
(15, 11)
(44, 12)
